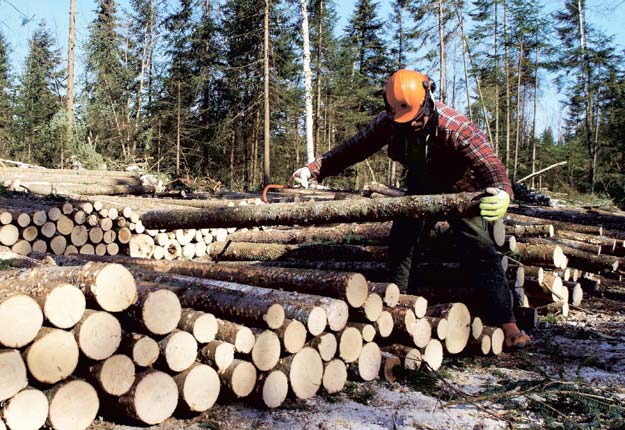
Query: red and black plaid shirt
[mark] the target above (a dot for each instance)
(459, 156)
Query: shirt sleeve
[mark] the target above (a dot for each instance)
(476, 148)
(357, 148)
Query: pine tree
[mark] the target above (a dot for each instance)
(38, 101)
(6, 109)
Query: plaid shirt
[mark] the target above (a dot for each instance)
(452, 155)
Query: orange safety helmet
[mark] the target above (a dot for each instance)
(406, 93)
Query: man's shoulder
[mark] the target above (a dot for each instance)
(447, 114)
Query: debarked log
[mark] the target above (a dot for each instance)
(344, 211)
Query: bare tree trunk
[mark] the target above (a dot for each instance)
(317, 121)
(519, 102)
(507, 66)
(178, 134)
(267, 153)
(441, 46)
(70, 79)
(310, 145)
(496, 53)
(466, 71)
(533, 185)
(587, 93)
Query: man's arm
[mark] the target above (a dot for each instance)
(357, 148)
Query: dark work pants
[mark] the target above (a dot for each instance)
(480, 263)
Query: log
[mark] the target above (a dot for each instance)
(373, 271)
(151, 399)
(481, 345)
(544, 254)
(418, 304)
(273, 387)
(576, 292)
(143, 350)
(58, 245)
(52, 356)
(266, 351)
(240, 336)
(198, 387)
(385, 324)
(350, 344)
(477, 327)
(344, 211)
(20, 317)
(403, 318)
(178, 351)
(293, 335)
(497, 338)
(411, 357)
(114, 375)
(587, 218)
(110, 286)
(73, 405)
(432, 354)
(157, 310)
(522, 230)
(218, 353)
(240, 377)
(390, 365)
(389, 291)
(27, 410)
(440, 327)
(202, 325)
(367, 331)
(368, 233)
(421, 332)
(13, 374)
(326, 344)
(141, 246)
(98, 334)
(459, 319)
(371, 309)
(305, 372)
(367, 367)
(351, 287)
(334, 376)
(72, 189)
(243, 251)
(9, 235)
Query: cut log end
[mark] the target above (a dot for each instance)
(73, 406)
(240, 377)
(266, 351)
(115, 375)
(356, 290)
(115, 288)
(275, 388)
(384, 325)
(274, 316)
(220, 353)
(161, 312)
(26, 410)
(369, 362)
(421, 332)
(145, 351)
(20, 320)
(53, 356)
(179, 350)
(199, 387)
(350, 344)
(327, 345)
(99, 335)
(317, 321)
(13, 371)
(337, 313)
(152, 399)
(294, 336)
(306, 373)
(433, 354)
(334, 376)
(64, 305)
(373, 307)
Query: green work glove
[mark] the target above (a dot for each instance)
(494, 206)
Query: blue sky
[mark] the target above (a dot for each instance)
(19, 18)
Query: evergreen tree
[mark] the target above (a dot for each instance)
(107, 86)
(6, 109)
(38, 101)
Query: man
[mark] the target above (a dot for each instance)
(443, 152)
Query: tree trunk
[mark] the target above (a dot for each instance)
(310, 145)
(434, 206)
(267, 149)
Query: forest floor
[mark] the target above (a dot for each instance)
(572, 377)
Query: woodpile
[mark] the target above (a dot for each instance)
(259, 312)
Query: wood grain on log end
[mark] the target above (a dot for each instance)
(337, 313)
(218, 352)
(369, 361)
(356, 290)
(152, 398)
(373, 307)
(64, 305)
(73, 405)
(293, 335)
(266, 351)
(143, 350)
(98, 334)
(326, 344)
(53, 355)
(240, 377)
(274, 316)
(306, 373)
(384, 324)
(115, 289)
(12, 373)
(421, 331)
(432, 354)
(115, 375)
(198, 387)
(350, 344)
(334, 375)
(161, 312)
(27, 410)
(274, 388)
(20, 320)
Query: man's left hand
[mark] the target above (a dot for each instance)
(495, 205)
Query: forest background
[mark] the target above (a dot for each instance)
(216, 91)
